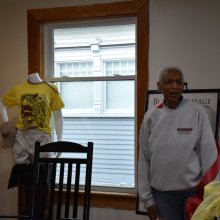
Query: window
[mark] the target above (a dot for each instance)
(103, 109)
(37, 18)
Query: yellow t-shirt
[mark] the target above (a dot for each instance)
(35, 103)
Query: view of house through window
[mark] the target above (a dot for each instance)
(94, 66)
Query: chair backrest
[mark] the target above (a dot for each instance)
(67, 177)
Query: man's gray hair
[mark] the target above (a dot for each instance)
(165, 69)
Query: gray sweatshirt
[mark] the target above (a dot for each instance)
(177, 146)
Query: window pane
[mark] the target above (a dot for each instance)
(77, 94)
(113, 160)
(92, 43)
(120, 94)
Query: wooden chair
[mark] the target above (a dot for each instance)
(68, 176)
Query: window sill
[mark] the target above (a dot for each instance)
(124, 201)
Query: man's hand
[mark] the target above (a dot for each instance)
(153, 213)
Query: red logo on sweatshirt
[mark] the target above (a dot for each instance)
(184, 130)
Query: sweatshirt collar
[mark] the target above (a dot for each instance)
(161, 104)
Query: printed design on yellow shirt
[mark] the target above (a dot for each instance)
(33, 110)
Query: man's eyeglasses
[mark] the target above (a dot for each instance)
(170, 82)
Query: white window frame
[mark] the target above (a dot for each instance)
(96, 78)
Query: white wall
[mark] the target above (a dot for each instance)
(186, 33)
(182, 32)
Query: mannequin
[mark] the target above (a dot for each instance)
(3, 112)
(37, 100)
(34, 78)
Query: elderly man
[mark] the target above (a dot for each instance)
(177, 146)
